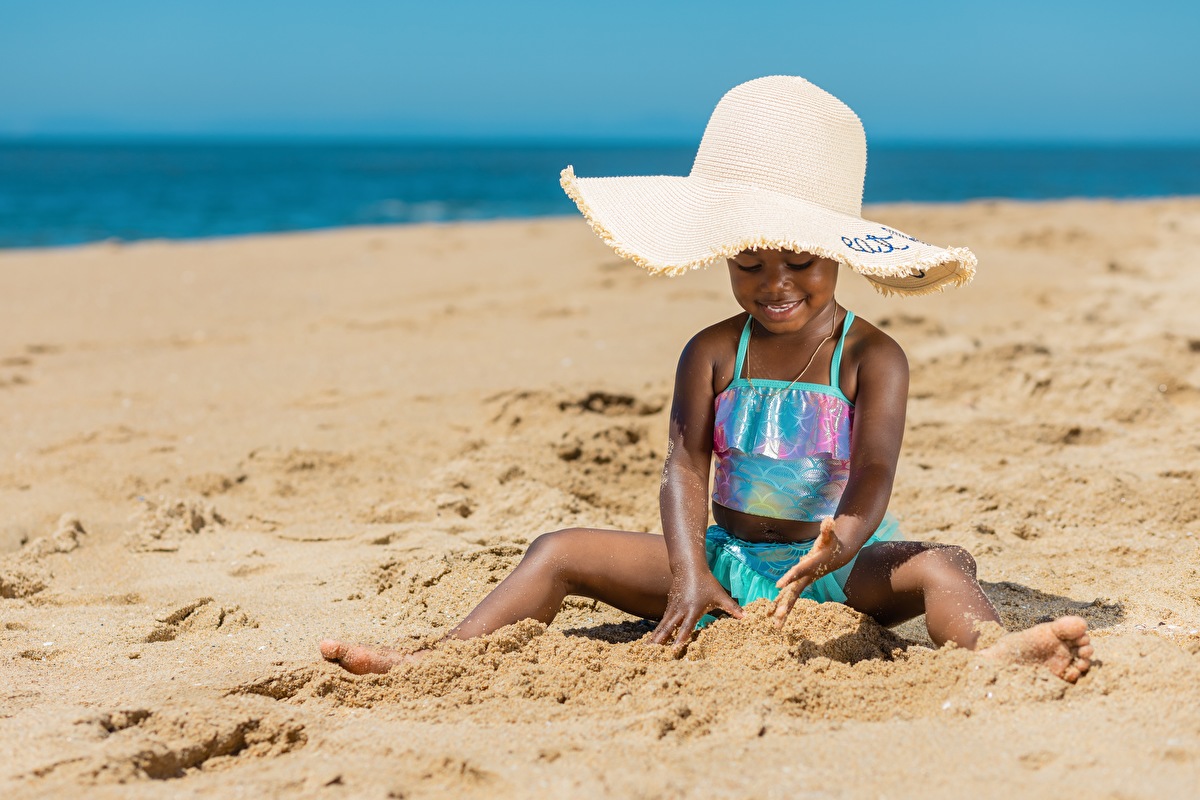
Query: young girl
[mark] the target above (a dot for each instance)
(800, 403)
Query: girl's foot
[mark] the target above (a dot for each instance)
(1061, 646)
(361, 659)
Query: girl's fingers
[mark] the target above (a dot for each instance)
(802, 568)
(788, 597)
(784, 603)
(685, 633)
(668, 631)
(730, 606)
(681, 626)
(666, 627)
(825, 548)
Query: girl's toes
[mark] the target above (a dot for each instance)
(332, 650)
(1070, 629)
(1070, 675)
(1084, 652)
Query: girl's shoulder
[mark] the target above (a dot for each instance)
(721, 337)
(715, 348)
(866, 335)
(725, 332)
(868, 352)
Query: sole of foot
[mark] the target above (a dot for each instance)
(1062, 646)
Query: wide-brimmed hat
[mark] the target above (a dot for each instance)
(781, 166)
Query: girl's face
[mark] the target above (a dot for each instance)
(782, 290)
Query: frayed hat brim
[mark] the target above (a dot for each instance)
(669, 225)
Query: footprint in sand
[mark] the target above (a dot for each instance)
(142, 743)
(162, 524)
(18, 364)
(250, 564)
(613, 404)
(16, 377)
(392, 513)
(199, 615)
(25, 573)
(208, 484)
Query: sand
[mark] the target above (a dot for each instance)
(215, 453)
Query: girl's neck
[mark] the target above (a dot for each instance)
(787, 346)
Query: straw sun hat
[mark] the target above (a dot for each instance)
(781, 166)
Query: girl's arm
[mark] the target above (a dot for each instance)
(683, 497)
(879, 411)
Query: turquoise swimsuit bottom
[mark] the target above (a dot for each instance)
(782, 451)
(748, 570)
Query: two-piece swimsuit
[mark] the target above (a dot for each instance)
(783, 452)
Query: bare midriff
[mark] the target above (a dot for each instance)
(754, 528)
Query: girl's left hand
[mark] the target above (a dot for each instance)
(821, 560)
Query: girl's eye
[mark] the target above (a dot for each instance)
(805, 265)
(747, 267)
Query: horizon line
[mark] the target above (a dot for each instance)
(548, 142)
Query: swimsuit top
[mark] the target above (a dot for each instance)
(782, 450)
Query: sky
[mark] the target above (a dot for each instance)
(615, 70)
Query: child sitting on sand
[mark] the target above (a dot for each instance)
(800, 403)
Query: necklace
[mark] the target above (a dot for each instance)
(811, 359)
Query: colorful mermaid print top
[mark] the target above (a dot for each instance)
(782, 450)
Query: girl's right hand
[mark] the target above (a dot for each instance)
(690, 598)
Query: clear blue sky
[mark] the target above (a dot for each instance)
(631, 69)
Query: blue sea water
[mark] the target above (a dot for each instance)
(58, 193)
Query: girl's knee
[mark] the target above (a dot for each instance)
(554, 545)
(951, 557)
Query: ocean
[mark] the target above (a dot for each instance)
(63, 193)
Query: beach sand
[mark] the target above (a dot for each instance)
(215, 453)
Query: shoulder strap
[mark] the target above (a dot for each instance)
(743, 343)
(835, 366)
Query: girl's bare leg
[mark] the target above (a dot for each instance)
(629, 571)
(896, 581)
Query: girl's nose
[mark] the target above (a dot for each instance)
(777, 277)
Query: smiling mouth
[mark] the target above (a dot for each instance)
(780, 308)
